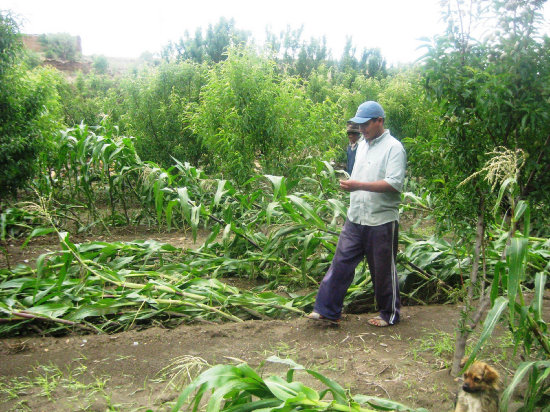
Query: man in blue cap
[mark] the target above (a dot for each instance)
(371, 227)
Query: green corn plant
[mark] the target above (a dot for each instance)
(87, 165)
(15, 222)
(524, 319)
(241, 389)
(281, 229)
(105, 287)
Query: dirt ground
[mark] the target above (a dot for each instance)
(136, 370)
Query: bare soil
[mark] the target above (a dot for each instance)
(133, 370)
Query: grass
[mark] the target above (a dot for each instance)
(74, 386)
(280, 349)
(439, 343)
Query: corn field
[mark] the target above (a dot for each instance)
(278, 230)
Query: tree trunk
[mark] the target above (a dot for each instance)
(464, 329)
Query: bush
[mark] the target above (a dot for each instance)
(250, 117)
(61, 46)
(100, 64)
(152, 106)
(29, 109)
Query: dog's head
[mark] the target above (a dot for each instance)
(480, 377)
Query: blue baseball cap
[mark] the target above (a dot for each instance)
(366, 111)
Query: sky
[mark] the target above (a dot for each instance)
(127, 28)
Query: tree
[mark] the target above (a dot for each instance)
(60, 46)
(251, 117)
(27, 110)
(372, 63)
(210, 48)
(490, 93)
(153, 106)
(100, 64)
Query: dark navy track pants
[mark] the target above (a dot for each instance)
(379, 245)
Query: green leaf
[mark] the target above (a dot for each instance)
(338, 393)
(220, 392)
(260, 405)
(50, 310)
(195, 219)
(279, 186)
(508, 182)
(216, 376)
(282, 389)
(488, 326)
(168, 213)
(537, 303)
(219, 193)
(39, 231)
(307, 211)
(521, 371)
(270, 210)
(515, 258)
(289, 362)
(521, 207)
(384, 404)
(183, 196)
(159, 198)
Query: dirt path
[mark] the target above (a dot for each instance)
(383, 362)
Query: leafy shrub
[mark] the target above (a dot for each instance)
(251, 118)
(29, 108)
(61, 46)
(87, 98)
(153, 106)
(100, 64)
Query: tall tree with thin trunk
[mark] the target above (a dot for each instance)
(491, 88)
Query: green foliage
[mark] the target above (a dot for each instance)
(32, 59)
(107, 287)
(371, 64)
(240, 388)
(154, 105)
(408, 112)
(28, 102)
(252, 118)
(100, 64)
(511, 273)
(81, 166)
(60, 46)
(281, 229)
(294, 55)
(88, 98)
(489, 94)
(210, 48)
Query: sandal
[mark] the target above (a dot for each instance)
(318, 316)
(378, 322)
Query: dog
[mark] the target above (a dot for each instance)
(481, 389)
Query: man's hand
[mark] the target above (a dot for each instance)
(350, 185)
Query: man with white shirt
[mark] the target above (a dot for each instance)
(371, 227)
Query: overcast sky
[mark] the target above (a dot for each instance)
(127, 28)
